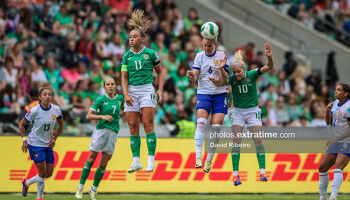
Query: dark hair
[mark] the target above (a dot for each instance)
(8, 59)
(346, 88)
(104, 82)
(34, 93)
(41, 90)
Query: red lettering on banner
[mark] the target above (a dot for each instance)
(199, 176)
(219, 164)
(61, 175)
(161, 173)
(69, 161)
(311, 163)
(280, 173)
(303, 176)
(220, 160)
(184, 176)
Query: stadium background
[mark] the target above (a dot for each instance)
(73, 45)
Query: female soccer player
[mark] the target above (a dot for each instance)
(211, 98)
(139, 93)
(41, 139)
(104, 137)
(338, 153)
(246, 111)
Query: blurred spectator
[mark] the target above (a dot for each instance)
(70, 54)
(290, 64)
(86, 47)
(96, 73)
(52, 74)
(46, 21)
(17, 57)
(269, 116)
(281, 111)
(83, 75)
(331, 70)
(181, 81)
(37, 73)
(282, 79)
(64, 21)
(294, 110)
(10, 73)
(39, 54)
(269, 94)
(192, 19)
(116, 49)
(319, 121)
(71, 74)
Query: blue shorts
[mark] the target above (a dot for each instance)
(339, 147)
(214, 103)
(41, 154)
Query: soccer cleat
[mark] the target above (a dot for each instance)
(199, 163)
(92, 193)
(207, 166)
(236, 180)
(150, 167)
(25, 187)
(79, 194)
(135, 166)
(263, 177)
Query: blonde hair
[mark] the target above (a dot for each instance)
(239, 59)
(139, 22)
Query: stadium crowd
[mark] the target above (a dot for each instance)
(331, 17)
(73, 45)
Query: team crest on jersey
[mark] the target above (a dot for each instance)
(146, 56)
(53, 116)
(248, 80)
(36, 155)
(129, 58)
(106, 103)
(339, 113)
(216, 62)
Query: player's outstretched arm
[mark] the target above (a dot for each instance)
(192, 75)
(269, 65)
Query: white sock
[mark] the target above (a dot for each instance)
(323, 183)
(80, 187)
(336, 183)
(235, 173)
(32, 180)
(211, 150)
(199, 136)
(262, 171)
(94, 188)
(40, 184)
(137, 159)
(150, 158)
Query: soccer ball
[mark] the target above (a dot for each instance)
(209, 30)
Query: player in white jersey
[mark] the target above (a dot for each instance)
(210, 97)
(338, 152)
(41, 139)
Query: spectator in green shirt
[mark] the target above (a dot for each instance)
(192, 19)
(64, 22)
(181, 80)
(53, 75)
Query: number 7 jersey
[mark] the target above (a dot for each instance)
(208, 66)
(140, 65)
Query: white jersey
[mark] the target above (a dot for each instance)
(43, 123)
(208, 66)
(340, 118)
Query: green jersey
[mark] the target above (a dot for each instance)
(245, 93)
(140, 66)
(108, 106)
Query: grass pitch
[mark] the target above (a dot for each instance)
(172, 197)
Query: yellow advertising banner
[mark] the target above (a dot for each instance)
(174, 172)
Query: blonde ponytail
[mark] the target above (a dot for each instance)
(239, 59)
(139, 21)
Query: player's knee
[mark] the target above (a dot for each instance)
(201, 123)
(134, 127)
(48, 174)
(322, 168)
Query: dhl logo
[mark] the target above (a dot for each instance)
(178, 167)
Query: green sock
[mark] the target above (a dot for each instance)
(236, 154)
(260, 154)
(85, 173)
(98, 175)
(135, 145)
(151, 143)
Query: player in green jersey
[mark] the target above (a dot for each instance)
(246, 111)
(104, 137)
(139, 93)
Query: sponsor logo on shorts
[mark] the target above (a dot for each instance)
(36, 155)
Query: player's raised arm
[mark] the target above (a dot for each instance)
(224, 75)
(269, 65)
(329, 114)
(193, 75)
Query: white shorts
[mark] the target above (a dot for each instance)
(143, 96)
(249, 116)
(103, 140)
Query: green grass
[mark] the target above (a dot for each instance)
(171, 197)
